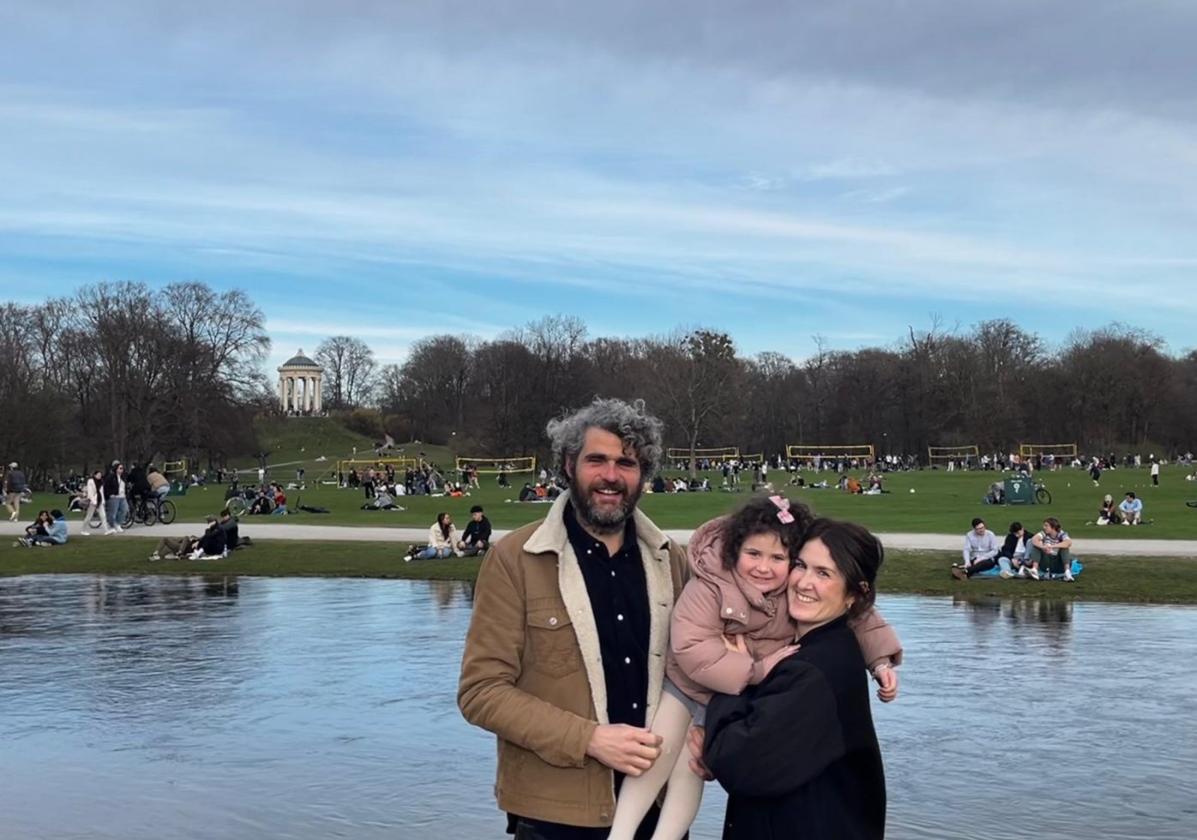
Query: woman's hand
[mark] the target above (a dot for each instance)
(694, 742)
(735, 644)
(887, 681)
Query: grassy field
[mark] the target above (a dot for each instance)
(1127, 579)
(942, 503)
(302, 441)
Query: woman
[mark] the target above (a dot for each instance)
(1109, 513)
(797, 753)
(38, 530)
(95, 503)
(442, 537)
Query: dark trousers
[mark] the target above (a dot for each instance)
(981, 566)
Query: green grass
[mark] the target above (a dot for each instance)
(1127, 579)
(295, 442)
(943, 503)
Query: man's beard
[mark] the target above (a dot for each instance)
(604, 520)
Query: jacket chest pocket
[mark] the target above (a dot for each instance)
(552, 645)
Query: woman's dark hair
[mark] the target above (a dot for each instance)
(857, 554)
(760, 515)
(41, 514)
(440, 520)
(1015, 527)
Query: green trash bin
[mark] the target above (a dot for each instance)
(1020, 490)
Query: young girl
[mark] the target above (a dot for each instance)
(730, 627)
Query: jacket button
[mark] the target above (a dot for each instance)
(728, 610)
(553, 621)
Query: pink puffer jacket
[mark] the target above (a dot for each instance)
(717, 602)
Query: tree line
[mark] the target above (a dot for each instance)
(120, 371)
(994, 385)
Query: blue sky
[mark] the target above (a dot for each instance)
(778, 170)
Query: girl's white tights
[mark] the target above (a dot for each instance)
(684, 794)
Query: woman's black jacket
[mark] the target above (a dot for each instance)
(797, 753)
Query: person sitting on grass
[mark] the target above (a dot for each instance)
(231, 528)
(262, 504)
(980, 551)
(39, 528)
(50, 528)
(1131, 509)
(1109, 513)
(996, 494)
(1046, 547)
(476, 539)
(442, 539)
(1013, 554)
(280, 501)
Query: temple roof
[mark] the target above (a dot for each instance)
(299, 360)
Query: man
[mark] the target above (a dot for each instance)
(476, 539)
(564, 659)
(1047, 546)
(980, 551)
(1131, 509)
(157, 483)
(228, 524)
(14, 485)
(1155, 473)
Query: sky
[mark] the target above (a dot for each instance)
(779, 170)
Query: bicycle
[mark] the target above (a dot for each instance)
(148, 511)
(1043, 496)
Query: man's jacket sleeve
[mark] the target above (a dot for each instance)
(487, 693)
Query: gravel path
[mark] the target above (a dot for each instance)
(346, 533)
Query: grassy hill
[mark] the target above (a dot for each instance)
(303, 441)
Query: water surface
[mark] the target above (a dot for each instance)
(165, 708)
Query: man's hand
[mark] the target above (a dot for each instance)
(628, 749)
(887, 681)
(694, 742)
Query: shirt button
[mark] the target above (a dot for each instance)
(728, 610)
(635, 706)
(612, 573)
(627, 660)
(619, 617)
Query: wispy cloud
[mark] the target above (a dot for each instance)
(421, 160)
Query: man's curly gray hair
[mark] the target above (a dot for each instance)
(639, 430)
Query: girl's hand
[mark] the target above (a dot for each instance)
(735, 644)
(887, 681)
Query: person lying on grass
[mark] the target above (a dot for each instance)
(213, 543)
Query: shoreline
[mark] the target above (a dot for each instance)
(1125, 579)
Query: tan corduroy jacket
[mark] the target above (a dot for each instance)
(532, 672)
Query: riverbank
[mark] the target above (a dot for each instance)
(1161, 580)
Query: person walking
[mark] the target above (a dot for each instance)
(115, 490)
(94, 489)
(15, 485)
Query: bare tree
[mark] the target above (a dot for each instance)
(696, 373)
(349, 366)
